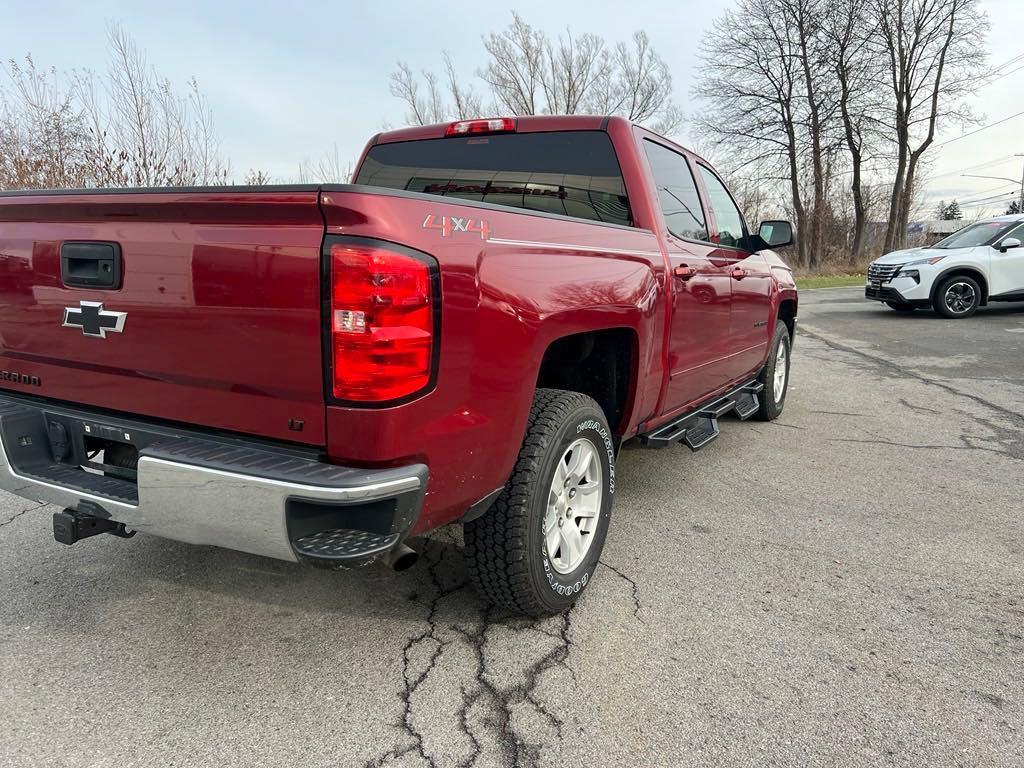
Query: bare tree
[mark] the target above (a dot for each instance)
(752, 86)
(848, 31)
(517, 68)
(423, 108)
(127, 127)
(257, 178)
(807, 19)
(575, 69)
(466, 102)
(637, 84)
(328, 169)
(528, 73)
(931, 48)
(808, 90)
(162, 136)
(43, 135)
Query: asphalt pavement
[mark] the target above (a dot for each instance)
(844, 586)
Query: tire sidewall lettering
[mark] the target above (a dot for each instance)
(596, 426)
(552, 578)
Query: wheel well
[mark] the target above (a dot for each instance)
(787, 314)
(596, 363)
(962, 272)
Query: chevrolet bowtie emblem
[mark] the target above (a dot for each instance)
(93, 319)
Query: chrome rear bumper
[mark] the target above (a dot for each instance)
(201, 490)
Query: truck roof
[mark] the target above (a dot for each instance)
(525, 124)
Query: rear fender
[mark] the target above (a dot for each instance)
(619, 293)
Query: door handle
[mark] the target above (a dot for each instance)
(738, 273)
(684, 272)
(90, 265)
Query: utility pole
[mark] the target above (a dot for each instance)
(1020, 205)
(1020, 200)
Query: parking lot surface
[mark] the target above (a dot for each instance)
(842, 587)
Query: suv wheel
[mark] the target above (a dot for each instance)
(958, 296)
(536, 549)
(775, 375)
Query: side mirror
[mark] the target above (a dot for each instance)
(776, 234)
(1008, 243)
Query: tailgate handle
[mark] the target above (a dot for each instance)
(90, 265)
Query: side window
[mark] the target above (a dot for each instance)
(677, 192)
(728, 216)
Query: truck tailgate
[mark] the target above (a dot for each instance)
(220, 295)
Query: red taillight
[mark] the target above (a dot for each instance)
(382, 323)
(494, 125)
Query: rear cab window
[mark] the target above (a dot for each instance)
(567, 173)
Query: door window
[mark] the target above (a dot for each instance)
(731, 229)
(677, 192)
(1017, 233)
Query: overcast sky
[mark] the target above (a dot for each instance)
(289, 81)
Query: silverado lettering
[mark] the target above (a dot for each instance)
(20, 378)
(325, 374)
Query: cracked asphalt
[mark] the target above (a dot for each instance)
(841, 587)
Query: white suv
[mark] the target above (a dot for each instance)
(982, 262)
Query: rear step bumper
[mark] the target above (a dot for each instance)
(227, 493)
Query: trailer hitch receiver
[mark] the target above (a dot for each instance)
(71, 525)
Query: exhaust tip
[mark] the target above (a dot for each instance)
(401, 558)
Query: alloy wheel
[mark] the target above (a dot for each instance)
(781, 371)
(960, 297)
(574, 506)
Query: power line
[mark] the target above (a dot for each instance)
(995, 74)
(1005, 64)
(1000, 77)
(990, 203)
(990, 199)
(970, 195)
(979, 130)
(1005, 191)
(978, 167)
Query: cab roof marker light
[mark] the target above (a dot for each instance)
(491, 125)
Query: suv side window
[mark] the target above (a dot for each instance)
(731, 229)
(1018, 232)
(677, 192)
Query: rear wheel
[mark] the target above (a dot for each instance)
(536, 549)
(900, 307)
(958, 296)
(775, 375)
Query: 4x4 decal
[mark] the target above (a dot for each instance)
(454, 224)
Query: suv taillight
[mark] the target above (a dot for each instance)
(382, 323)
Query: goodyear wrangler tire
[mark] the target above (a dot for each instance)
(536, 549)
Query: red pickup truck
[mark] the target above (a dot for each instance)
(466, 334)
